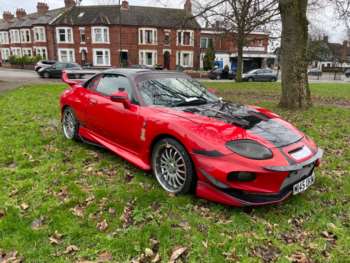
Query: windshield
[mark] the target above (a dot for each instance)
(174, 91)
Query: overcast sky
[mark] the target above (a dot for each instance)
(324, 19)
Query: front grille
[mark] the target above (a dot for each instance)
(298, 175)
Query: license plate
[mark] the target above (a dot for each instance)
(303, 185)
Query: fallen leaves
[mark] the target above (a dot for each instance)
(127, 216)
(2, 213)
(102, 226)
(177, 253)
(105, 257)
(71, 249)
(150, 255)
(10, 257)
(38, 223)
(78, 211)
(56, 238)
(267, 252)
(299, 257)
(24, 206)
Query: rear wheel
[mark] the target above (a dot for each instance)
(250, 79)
(46, 75)
(172, 166)
(70, 124)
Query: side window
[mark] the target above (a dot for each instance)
(111, 83)
(92, 84)
(60, 66)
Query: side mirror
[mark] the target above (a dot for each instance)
(212, 90)
(121, 97)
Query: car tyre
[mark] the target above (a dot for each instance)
(70, 124)
(274, 79)
(172, 166)
(250, 79)
(46, 75)
(218, 77)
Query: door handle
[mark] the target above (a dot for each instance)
(93, 101)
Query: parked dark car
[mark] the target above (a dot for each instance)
(220, 73)
(347, 73)
(315, 72)
(260, 75)
(55, 70)
(44, 64)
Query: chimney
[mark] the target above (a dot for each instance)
(20, 13)
(7, 16)
(188, 7)
(125, 5)
(42, 8)
(69, 3)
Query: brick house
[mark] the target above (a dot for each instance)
(108, 35)
(27, 34)
(113, 35)
(255, 53)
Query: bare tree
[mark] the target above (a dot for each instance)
(238, 19)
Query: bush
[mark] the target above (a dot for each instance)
(25, 60)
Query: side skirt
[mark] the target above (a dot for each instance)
(93, 138)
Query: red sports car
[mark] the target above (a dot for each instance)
(191, 139)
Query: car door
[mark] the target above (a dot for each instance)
(57, 70)
(112, 120)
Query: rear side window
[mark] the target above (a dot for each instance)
(92, 84)
(111, 83)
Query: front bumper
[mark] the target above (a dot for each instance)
(287, 177)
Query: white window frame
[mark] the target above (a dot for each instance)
(82, 29)
(66, 33)
(15, 36)
(4, 38)
(5, 54)
(143, 59)
(69, 51)
(24, 33)
(40, 32)
(180, 58)
(39, 52)
(142, 36)
(106, 61)
(16, 51)
(181, 42)
(27, 52)
(105, 35)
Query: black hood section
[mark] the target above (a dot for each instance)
(249, 119)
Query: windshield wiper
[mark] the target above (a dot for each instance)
(192, 101)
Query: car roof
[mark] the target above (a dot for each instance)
(131, 72)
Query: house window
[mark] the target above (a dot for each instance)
(82, 34)
(5, 54)
(102, 57)
(41, 51)
(39, 34)
(27, 52)
(64, 35)
(14, 35)
(185, 38)
(148, 57)
(25, 36)
(147, 36)
(16, 51)
(206, 42)
(4, 37)
(167, 39)
(184, 58)
(100, 35)
(260, 43)
(66, 55)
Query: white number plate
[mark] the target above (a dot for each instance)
(304, 184)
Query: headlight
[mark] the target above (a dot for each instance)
(250, 149)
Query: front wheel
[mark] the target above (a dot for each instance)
(70, 124)
(250, 79)
(172, 166)
(46, 75)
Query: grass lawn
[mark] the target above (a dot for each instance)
(63, 201)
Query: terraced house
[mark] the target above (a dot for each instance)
(104, 35)
(113, 35)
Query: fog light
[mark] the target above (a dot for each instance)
(241, 177)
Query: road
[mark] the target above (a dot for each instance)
(12, 78)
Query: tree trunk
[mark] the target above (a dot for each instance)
(240, 45)
(295, 86)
